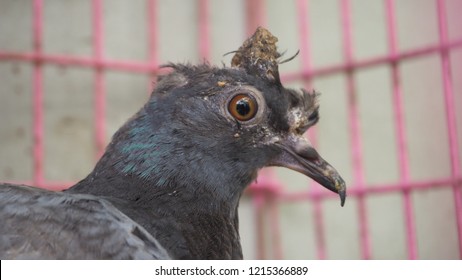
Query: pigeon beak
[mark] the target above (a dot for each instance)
(298, 154)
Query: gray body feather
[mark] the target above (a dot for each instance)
(39, 224)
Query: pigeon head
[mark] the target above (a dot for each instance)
(214, 128)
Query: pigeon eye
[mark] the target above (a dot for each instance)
(243, 107)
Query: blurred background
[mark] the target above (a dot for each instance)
(72, 72)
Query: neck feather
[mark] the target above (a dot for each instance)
(146, 162)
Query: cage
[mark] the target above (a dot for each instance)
(71, 72)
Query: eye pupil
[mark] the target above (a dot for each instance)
(242, 107)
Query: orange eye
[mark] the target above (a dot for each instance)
(243, 107)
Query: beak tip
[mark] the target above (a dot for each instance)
(342, 194)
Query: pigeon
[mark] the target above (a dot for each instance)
(169, 183)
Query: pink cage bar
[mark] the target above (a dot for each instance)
(268, 191)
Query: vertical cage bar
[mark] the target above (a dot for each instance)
(204, 32)
(273, 188)
(304, 35)
(255, 15)
(38, 126)
(355, 127)
(275, 225)
(403, 161)
(258, 200)
(152, 36)
(450, 115)
(266, 199)
(319, 229)
(152, 32)
(100, 98)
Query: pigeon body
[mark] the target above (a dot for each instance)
(169, 183)
(39, 224)
(185, 162)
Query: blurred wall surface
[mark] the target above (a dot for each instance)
(69, 105)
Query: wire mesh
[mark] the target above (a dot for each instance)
(268, 192)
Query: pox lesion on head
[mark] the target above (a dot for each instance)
(304, 111)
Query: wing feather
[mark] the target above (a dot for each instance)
(40, 224)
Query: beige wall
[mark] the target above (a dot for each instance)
(68, 105)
